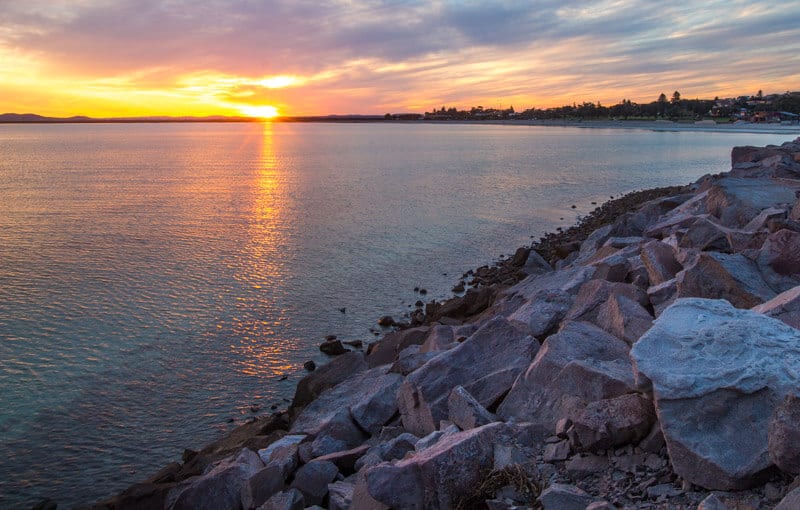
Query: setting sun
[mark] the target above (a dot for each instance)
(261, 112)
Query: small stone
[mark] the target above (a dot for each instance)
(332, 347)
(386, 321)
(423, 291)
(663, 490)
(556, 451)
(559, 496)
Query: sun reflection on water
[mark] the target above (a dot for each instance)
(265, 349)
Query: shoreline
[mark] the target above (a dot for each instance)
(605, 241)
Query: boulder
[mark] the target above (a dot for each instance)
(542, 315)
(438, 476)
(565, 280)
(440, 338)
(554, 452)
(612, 422)
(312, 480)
(595, 293)
(340, 495)
(662, 295)
(659, 260)
(485, 364)
(737, 201)
(717, 374)
(221, 487)
(779, 260)
(387, 349)
(466, 412)
(760, 221)
(327, 376)
(332, 347)
(291, 499)
(791, 501)
(579, 364)
(784, 307)
(396, 448)
(624, 318)
(266, 454)
(535, 264)
(722, 276)
(331, 417)
(784, 434)
(345, 460)
(614, 267)
(472, 303)
(705, 235)
(262, 486)
(407, 364)
(560, 496)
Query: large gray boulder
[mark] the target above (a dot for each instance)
(327, 376)
(312, 480)
(386, 349)
(579, 364)
(485, 364)
(717, 374)
(220, 488)
(543, 314)
(737, 201)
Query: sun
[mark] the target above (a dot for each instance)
(261, 112)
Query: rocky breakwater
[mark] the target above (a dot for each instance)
(655, 364)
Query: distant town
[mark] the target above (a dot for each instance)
(759, 108)
(773, 108)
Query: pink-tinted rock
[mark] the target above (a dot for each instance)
(221, 487)
(659, 260)
(780, 258)
(612, 422)
(579, 364)
(312, 480)
(466, 412)
(340, 495)
(485, 364)
(791, 501)
(542, 315)
(440, 338)
(760, 221)
(287, 500)
(327, 376)
(784, 307)
(262, 486)
(719, 276)
(705, 235)
(784, 435)
(595, 293)
(736, 201)
(624, 318)
(386, 350)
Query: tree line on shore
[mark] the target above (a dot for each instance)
(674, 107)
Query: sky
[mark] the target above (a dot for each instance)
(106, 58)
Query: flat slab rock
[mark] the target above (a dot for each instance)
(717, 374)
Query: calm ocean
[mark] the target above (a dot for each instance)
(158, 280)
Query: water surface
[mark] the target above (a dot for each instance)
(158, 280)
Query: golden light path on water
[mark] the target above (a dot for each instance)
(263, 268)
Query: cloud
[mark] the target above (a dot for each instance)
(399, 53)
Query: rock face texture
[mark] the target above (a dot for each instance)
(639, 363)
(717, 374)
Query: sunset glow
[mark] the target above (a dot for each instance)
(261, 112)
(151, 57)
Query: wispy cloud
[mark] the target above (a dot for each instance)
(390, 55)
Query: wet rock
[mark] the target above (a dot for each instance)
(222, 486)
(784, 307)
(386, 321)
(389, 347)
(466, 412)
(332, 347)
(784, 434)
(717, 374)
(559, 496)
(579, 364)
(485, 364)
(310, 365)
(312, 480)
(291, 499)
(327, 376)
(472, 303)
(612, 422)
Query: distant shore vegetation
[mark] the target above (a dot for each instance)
(756, 108)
